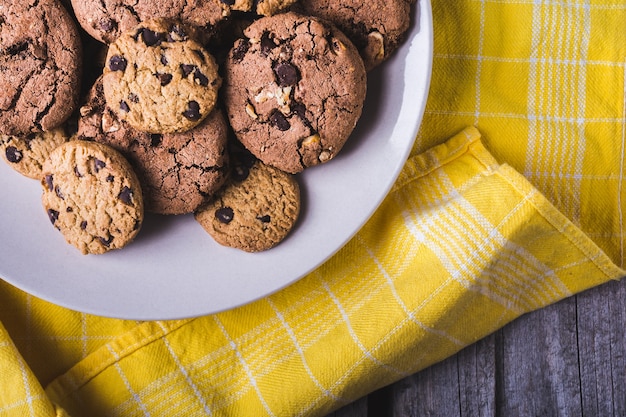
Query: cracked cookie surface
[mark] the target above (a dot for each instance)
(40, 57)
(294, 89)
(256, 209)
(177, 171)
(27, 153)
(92, 196)
(376, 27)
(159, 79)
(107, 20)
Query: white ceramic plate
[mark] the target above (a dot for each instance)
(174, 269)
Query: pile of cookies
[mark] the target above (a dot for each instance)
(208, 108)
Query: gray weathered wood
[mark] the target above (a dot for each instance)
(568, 359)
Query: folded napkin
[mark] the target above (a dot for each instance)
(511, 200)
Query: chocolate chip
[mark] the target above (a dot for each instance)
(264, 219)
(228, 2)
(107, 25)
(69, 210)
(124, 106)
(59, 193)
(164, 79)
(106, 242)
(83, 225)
(117, 63)
(279, 121)
(164, 60)
(286, 74)
(240, 49)
(151, 38)
(193, 111)
(187, 69)
(98, 164)
(225, 214)
(110, 178)
(133, 97)
(126, 196)
(155, 139)
(267, 44)
(200, 78)
(13, 154)
(49, 182)
(77, 172)
(53, 215)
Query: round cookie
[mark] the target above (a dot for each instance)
(256, 210)
(294, 90)
(107, 20)
(159, 79)
(177, 171)
(92, 196)
(27, 153)
(40, 57)
(376, 27)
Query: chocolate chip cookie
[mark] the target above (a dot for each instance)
(27, 153)
(294, 89)
(256, 210)
(40, 57)
(159, 79)
(177, 171)
(107, 20)
(376, 27)
(92, 196)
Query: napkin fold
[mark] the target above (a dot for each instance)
(511, 200)
(461, 246)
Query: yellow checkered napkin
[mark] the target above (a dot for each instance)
(461, 246)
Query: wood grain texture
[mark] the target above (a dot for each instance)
(568, 359)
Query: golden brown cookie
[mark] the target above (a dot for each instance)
(92, 196)
(256, 210)
(294, 89)
(159, 79)
(27, 153)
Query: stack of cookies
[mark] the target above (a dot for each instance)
(205, 108)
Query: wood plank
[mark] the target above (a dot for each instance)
(477, 378)
(432, 392)
(602, 349)
(537, 364)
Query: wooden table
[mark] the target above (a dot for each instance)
(568, 359)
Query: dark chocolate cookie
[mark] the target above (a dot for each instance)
(40, 60)
(376, 27)
(159, 79)
(294, 90)
(107, 20)
(177, 171)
